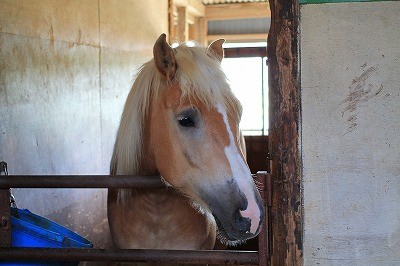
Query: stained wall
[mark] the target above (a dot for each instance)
(350, 93)
(65, 70)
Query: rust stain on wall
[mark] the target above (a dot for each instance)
(362, 89)
(51, 35)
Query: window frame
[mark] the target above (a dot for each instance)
(245, 52)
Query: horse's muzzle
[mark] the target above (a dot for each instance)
(236, 228)
(227, 208)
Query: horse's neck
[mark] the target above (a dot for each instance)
(153, 218)
(147, 165)
(159, 218)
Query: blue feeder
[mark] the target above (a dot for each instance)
(31, 230)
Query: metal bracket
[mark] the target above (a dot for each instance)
(264, 247)
(5, 229)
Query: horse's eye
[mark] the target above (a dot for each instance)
(186, 122)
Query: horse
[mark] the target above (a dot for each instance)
(181, 121)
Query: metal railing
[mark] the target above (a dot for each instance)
(233, 257)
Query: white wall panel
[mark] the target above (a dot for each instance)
(350, 65)
(65, 70)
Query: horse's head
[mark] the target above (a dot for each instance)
(194, 134)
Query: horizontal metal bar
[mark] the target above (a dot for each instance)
(131, 255)
(80, 181)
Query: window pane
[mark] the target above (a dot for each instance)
(245, 77)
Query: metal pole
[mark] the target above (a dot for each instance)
(76, 181)
(105, 181)
(5, 230)
(263, 237)
(131, 255)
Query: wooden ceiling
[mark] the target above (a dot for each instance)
(207, 20)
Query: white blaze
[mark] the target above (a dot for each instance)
(242, 176)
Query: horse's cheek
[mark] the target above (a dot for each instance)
(164, 149)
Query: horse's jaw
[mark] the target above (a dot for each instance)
(233, 237)
(221, 234)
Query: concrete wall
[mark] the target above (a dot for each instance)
(350, 65)
(65, 70)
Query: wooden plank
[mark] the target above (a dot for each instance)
(239, 37)
(284, 141)
(238, 11)
(336, 1)
(254, 144)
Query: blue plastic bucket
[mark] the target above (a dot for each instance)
(31, 230)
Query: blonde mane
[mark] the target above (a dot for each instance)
(199, 75)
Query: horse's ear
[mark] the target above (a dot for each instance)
(164, 57)
(215, 49)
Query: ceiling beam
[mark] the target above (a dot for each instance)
(239, 37)
(194, 7)
(238, 11)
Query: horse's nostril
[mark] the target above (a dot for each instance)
(242, 203)
(242, 224)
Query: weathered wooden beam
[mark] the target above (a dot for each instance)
(238, 11)
(284, 133)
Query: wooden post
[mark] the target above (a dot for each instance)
(198, 31)
(203, 24)
(182, 33)
(171, 22)
(284, 134)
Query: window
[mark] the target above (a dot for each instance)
(247, 73)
